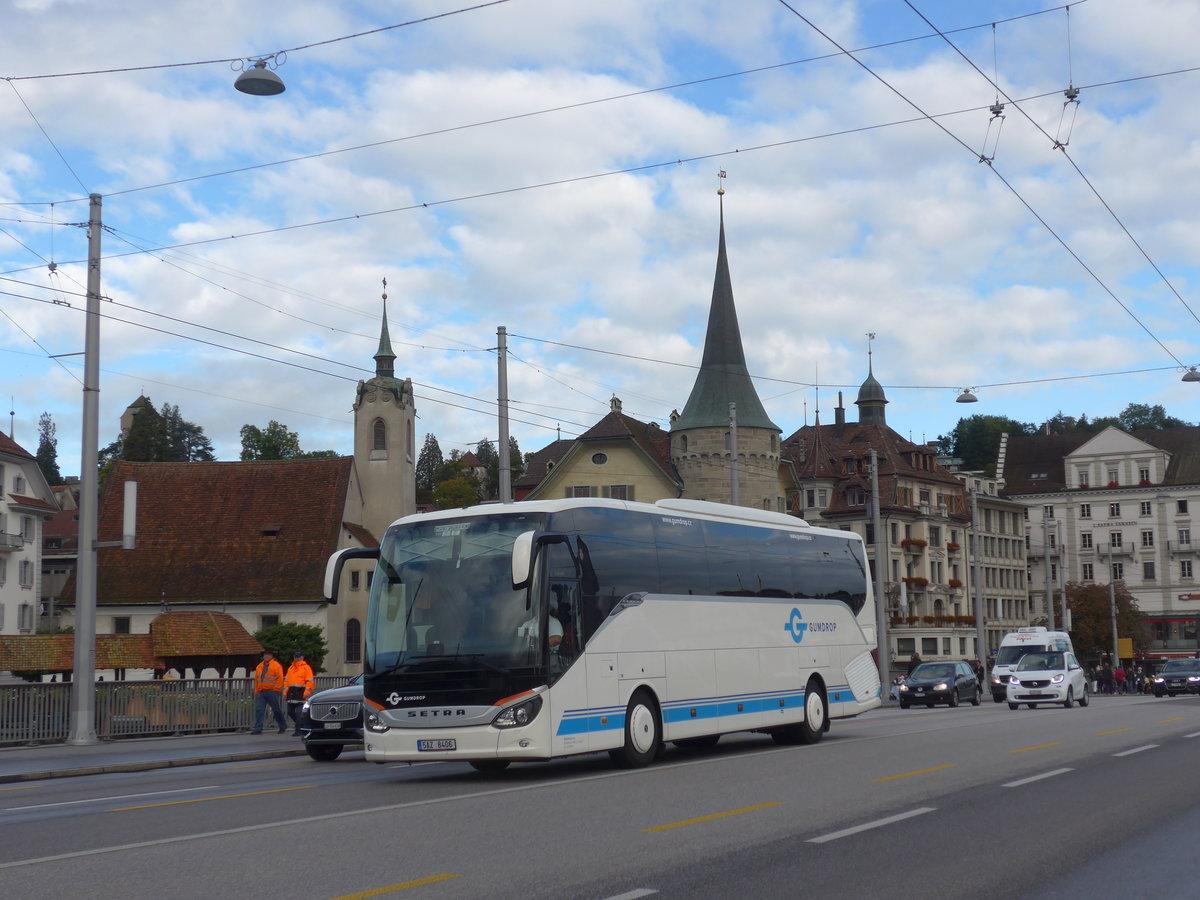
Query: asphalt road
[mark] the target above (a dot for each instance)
(969, 802)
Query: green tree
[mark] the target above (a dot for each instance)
(976, 440)
(485, 452)
(516, 461)
(1091, 618)
(276, 442)
(146, 437)
(1139, 416)
(159, 436)
(455, 492)
(183, 441)
(47, 449)
(286, 638)
(428, 463)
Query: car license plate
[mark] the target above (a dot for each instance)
(443, 744)
(920, 692)
(332, 726)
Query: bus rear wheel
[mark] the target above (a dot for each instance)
(643, 733)
(816, 716)
(489, 766)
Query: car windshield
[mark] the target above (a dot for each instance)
(1180, 665)
(1041, 662)
(933, 670)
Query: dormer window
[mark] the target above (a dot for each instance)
(271, 531)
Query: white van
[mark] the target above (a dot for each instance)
(1034, 639)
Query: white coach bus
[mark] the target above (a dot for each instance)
(537, 630)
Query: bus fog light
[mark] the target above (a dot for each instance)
(519, 715)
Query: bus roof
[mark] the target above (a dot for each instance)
(722, 512)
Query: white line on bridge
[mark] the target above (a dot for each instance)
(1033, 778)
(206, 787)
(867, 826)
(1136, 750)
(633, 895)
(1193, 734)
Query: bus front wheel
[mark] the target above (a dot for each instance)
(643, 733)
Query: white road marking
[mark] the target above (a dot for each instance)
(206, 787)
(633, 895)
(1136, 750)
(1193, 734)
(1033, 778)
(867, 826)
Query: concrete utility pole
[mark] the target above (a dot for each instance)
(884, 650)
(502, 406)
(83, 678)
(1049, 583)
(980, 613)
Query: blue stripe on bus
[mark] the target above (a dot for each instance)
(584, 721)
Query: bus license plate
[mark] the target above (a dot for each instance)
(443, 744)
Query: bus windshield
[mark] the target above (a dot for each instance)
(442, 594)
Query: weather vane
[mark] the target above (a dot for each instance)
(721, 183)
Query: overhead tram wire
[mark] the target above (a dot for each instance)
(1062, 241)
(517, 116)
(1063, 148)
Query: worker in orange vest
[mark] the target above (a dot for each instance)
(268, 685)
(297, 687)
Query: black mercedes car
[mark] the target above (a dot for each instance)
(1177, 676)
(333, 719)
(940, 682)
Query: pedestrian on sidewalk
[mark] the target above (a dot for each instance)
(268, 686)
(1119, 678)
(297, 687)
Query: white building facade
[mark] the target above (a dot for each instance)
(25, 503)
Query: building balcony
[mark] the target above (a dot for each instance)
(10, 542)
(1181, 547)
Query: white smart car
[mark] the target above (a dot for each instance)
(1050, 677)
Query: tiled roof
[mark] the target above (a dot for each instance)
(201, 633)
(56, 652)
(540, 462)
(221, 532)
(8, 445)
(361, 534)
(32, 502)
(1034, 462)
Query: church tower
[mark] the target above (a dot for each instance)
(701, 435)
(385, 440)
(871, 399)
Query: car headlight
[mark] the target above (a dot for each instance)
(520, 714)
(1158, 679)
(1058, 679)
(372, 722)
(996, 679)
(1014, 681)
(304, 707)
(942, 686)
(904, 687)
(1194, 678)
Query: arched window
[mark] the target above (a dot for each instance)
(353, 641)
(379, 432)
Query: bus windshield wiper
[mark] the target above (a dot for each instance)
(481, 658)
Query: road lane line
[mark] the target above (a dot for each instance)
(23, 787)
(867, 826)
(720, 815)
(1114, 731)
(1175, 719)
(635, 894)
(916, 772)
(1033, 778)
(1136, 750)
(278, 762)
(1193, 734)
(402, 886)
(303, 787)
(1036, 747)
(207, 787)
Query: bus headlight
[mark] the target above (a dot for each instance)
(372, 722)
(519, 715)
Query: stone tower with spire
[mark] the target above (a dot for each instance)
(385, 440)
(700, 435)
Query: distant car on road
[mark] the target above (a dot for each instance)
(1177, 676)
(1051, 677)
(940, 682)
(333, 719)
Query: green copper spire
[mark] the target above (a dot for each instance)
(723, 378)
(385, 359)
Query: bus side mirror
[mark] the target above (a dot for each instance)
(333, 568)
(522, 558)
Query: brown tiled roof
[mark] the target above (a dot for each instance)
(56, 652)
(8, 445)
(1034, 462)
(539, 463)
(221, 532)
(361, 534)
(201, 633)
(33, 502)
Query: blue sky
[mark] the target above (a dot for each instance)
(594, 226)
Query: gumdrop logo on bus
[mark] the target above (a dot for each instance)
(796, 626)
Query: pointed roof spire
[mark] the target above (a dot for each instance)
(871, 398)
(385, 359)
(723, 377)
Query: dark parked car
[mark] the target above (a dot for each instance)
(333, 719)
(940, 682)
(1177, 676)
